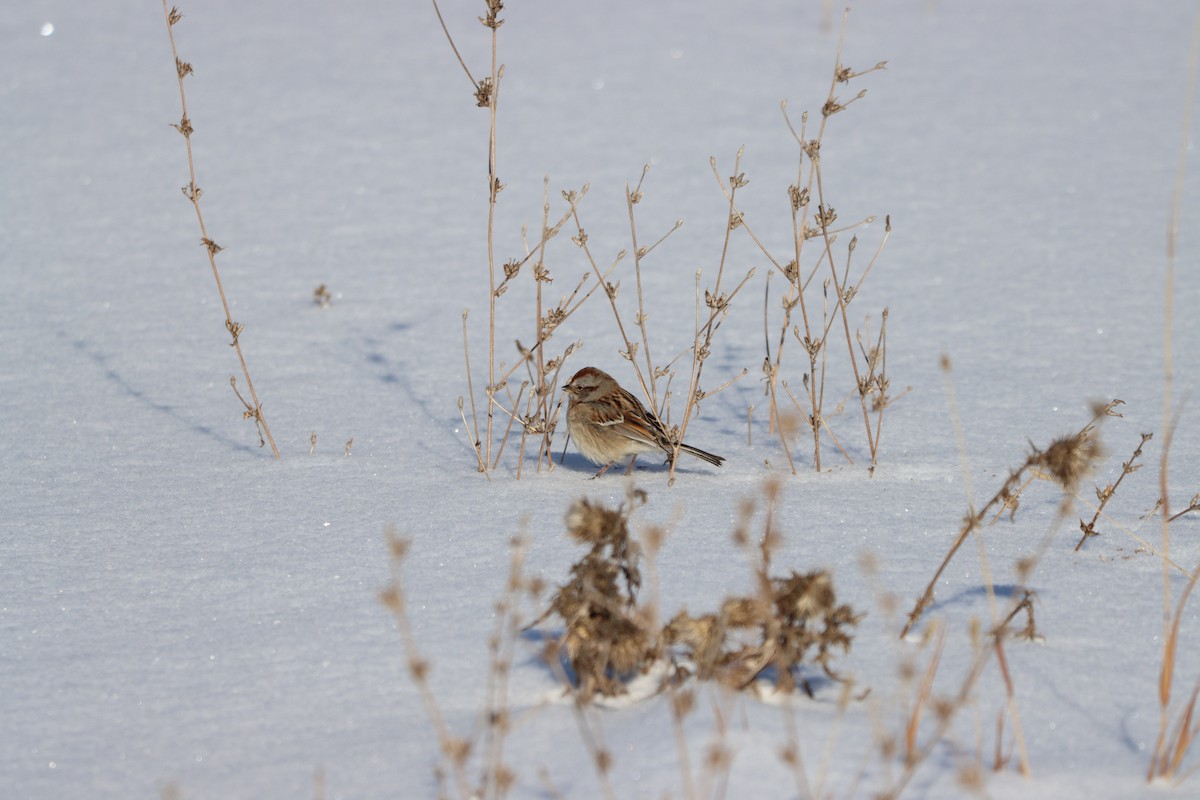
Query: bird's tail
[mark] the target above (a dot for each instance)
(716, 461)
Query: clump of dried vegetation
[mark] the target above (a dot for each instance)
(795, 621)
(790, 622)
(607, 637)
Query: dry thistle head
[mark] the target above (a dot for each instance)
(694, 633)
(1069, 460)
(591, 523)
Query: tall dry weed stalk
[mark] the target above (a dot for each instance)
(1174, 741)
(193, 192)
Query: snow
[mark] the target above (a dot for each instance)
(179, 610)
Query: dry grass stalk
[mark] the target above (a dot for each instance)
(922, 700)
(1066, 462)
(973, 772)
(497, 777)
(1171, 748)
(717, 762)
(632, 198)
(682, 702)
(1010, 709)
(1105, 494)
(455, 751)
(1174, 742)
(590, 729)
(193, 192)
(1193, 505)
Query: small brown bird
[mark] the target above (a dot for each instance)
(608, 423)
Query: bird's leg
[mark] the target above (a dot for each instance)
(632, 461)
(603, 470)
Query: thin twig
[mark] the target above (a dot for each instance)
(193, 193)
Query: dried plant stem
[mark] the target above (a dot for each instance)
(631, 198)
(542, 391)
(502, 646)
(193, 193)
(916, 754)
(568, 306)
(1194, 506)
(1105, 494)
(455, 751)
(593, 737)
(718, 757)
(512, 418)
(922, 699)
(718, 305)
(450, 39)
(487, 95)
(547, 443)
(681, 705)
(1165, 762)
(793, 758)
(475, 442)
(824, 423)
(1011, 705)
(1170, 750)
(493, 189)
(843, 298)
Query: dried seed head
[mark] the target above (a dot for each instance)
(419, 669)
(1070, 460)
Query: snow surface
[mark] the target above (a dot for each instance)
(179, 610)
